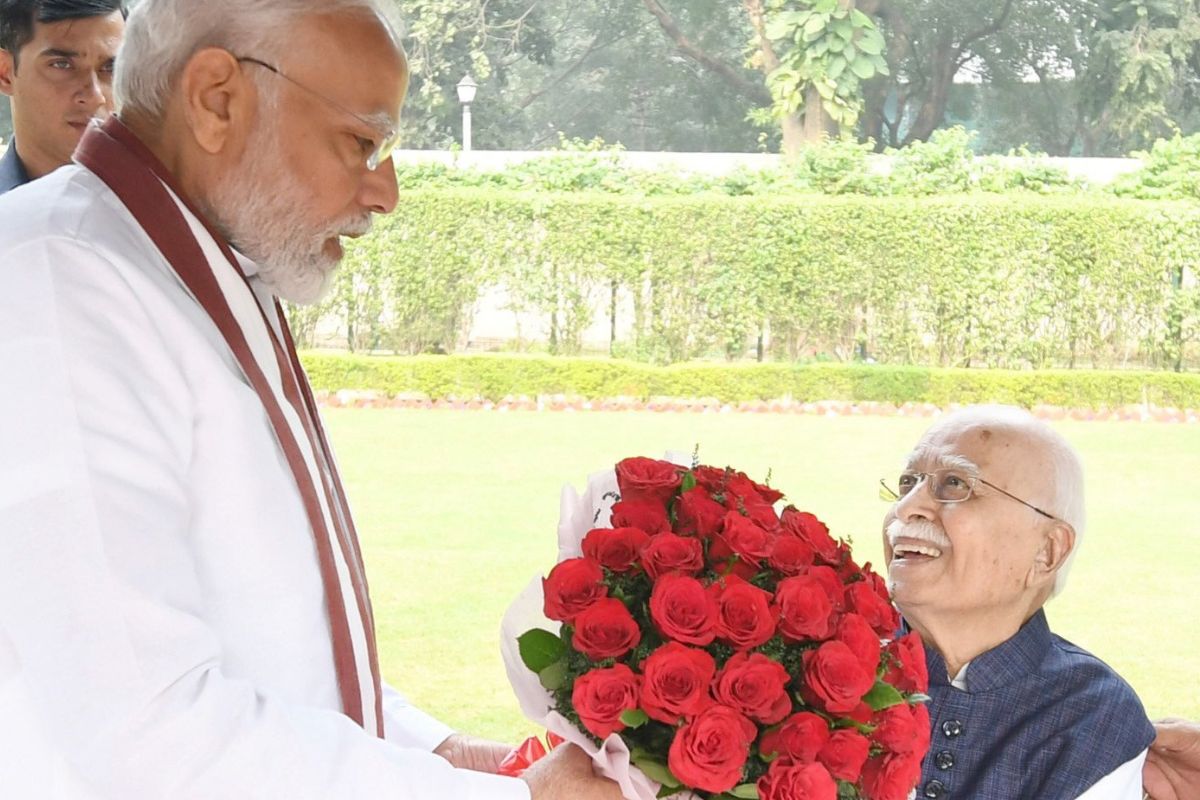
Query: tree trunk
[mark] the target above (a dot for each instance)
(933, 107)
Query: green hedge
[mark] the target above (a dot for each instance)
(961, 281)
(496, 377)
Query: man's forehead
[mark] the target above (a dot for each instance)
(80, 36)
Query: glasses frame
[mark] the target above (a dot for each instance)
(389, 137)
(891, 495)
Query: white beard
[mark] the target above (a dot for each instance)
(264, 210)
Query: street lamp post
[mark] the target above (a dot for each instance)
(466, 95)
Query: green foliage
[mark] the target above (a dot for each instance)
(825, 45)
(972, 280)
(495, 377)
(1170, 171)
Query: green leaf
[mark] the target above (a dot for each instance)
(655, 771)
(553, 676)
(539, 649)
(849, 53)
(689, 482)
(860, 20)
(844, 29)
(863, 68)
(872, 45)
(814, 27)
(745, 791)
(883, 695)
(634, 717)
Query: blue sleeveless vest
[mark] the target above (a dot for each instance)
(1041, 719)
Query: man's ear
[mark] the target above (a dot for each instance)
(1058, 541)
(8, 73)
(218, 99)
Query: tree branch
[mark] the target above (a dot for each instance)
(987, 30)
(690, 49)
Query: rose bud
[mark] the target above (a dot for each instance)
(710, 752)
(602, 695)
(605, 630)
(571, 587)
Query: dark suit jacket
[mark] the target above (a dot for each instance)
(12, 171)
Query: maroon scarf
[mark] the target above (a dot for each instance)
(141, 182)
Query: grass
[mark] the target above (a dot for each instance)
(458, 510)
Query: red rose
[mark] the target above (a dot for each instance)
(906, 664)
(788, 781)
(600, 696)
(667, 553)
(756, 686)
(879, 613)
(572, 586)
(710, 752)
(812, 531)
(675, 682)
(834, 675)
(697, 514)
(615, 548)
(844, 754)
(833, 585)
(647, 479)
(712, 479)
(876, 582)
(606, 630)
(847, 570)
(743, 538)
(804, 608)
(683, 610)
(898, 730)
(744, 616)
(769, 496)
(763, 515)
(647, 515)
(738, 486)
(890, 777)
(800, 738)
(860, 638)
(790, 555)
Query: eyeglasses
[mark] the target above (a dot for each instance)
(388, 138)
(947, 486)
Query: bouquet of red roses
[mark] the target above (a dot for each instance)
(728, 649)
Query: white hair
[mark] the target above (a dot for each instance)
(1066, 500)
(163, 35)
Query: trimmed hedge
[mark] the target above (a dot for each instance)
(1001, 281)
(494, 377)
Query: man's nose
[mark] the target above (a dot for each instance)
(379, 191)
(91, 93)
(918, 503)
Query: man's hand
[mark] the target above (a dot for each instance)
(469, 752)
(566, 774)
(1172, 769)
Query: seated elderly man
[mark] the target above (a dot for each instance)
(987, 516)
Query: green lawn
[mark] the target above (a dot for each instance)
(457, 511)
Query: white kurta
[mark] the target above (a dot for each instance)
(163, 632)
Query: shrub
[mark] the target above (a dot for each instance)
(494, 377)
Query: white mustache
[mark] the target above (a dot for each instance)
(920, 530)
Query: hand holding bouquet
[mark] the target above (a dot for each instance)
(722, 648)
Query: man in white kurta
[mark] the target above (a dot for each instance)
(164, 621)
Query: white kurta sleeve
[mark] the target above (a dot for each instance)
(1123, 783)
(405, 725)
(101, 602)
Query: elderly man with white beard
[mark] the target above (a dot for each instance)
(988, 514)
(183, 604)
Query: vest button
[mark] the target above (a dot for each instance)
(935, 789)
(944, 760)
(952, 728)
